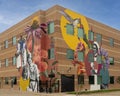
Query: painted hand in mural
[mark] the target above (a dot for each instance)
(72, 21)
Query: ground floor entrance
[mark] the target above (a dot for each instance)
(67, 83)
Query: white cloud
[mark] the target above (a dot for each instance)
(11, 18)
(8, 21)
(1, 17)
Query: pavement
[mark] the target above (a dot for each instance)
(12, 92)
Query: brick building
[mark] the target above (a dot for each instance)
(107, 37)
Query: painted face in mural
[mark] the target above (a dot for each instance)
(29, 61)
(95, 48)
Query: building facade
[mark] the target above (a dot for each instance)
(74, 37)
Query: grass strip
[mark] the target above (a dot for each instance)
(96, 91)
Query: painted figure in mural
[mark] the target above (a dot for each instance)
(33, 75)
(91, 63)
(30, 55)
(94, 64)
(81, 67)
(25, 72)
(21, 57)
(38, 44)
(103, 69)
(105, 77)
(100, 64)
(21, 53)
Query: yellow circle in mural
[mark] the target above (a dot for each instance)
(72, 40)
(24, 84)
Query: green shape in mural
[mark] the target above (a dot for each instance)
(105, 76)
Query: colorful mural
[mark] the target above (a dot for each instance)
(89, 57)
(73, 40)
(34, 53)
(32, 56)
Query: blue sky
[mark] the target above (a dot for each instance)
(104, 11)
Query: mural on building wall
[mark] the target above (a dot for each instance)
(33, 56)
(81, 66)
(89, 57)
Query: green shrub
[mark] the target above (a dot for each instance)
(96, 91)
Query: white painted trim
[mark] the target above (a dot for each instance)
(114, 70)
(58, 38)
(61, 53)
(8, 70)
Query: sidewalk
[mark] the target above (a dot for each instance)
(11, 92)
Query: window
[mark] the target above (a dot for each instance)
(6, 44)
(80, 79)
(111, 42)
(80, 56)
(99, 38)
(111, 59)
(6, 80)
(14, 60)
(118, 79)
(99, 79)
(0, 46)
(80, 33)
(50, 27)
(6, 62)
(91, 35)
(111, 79)
(91, 79)
(90, 57)
(99, 59)
(14, 40)
(0, 64)
(70, 29)
(70, 54)
(51, 54)
(14, 80)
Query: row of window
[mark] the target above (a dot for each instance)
(80, 34)
(70, 55)
(51, 55)
(92, 80)
(7, 62)
(14, 39)
(11, 80)
(80, 80)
